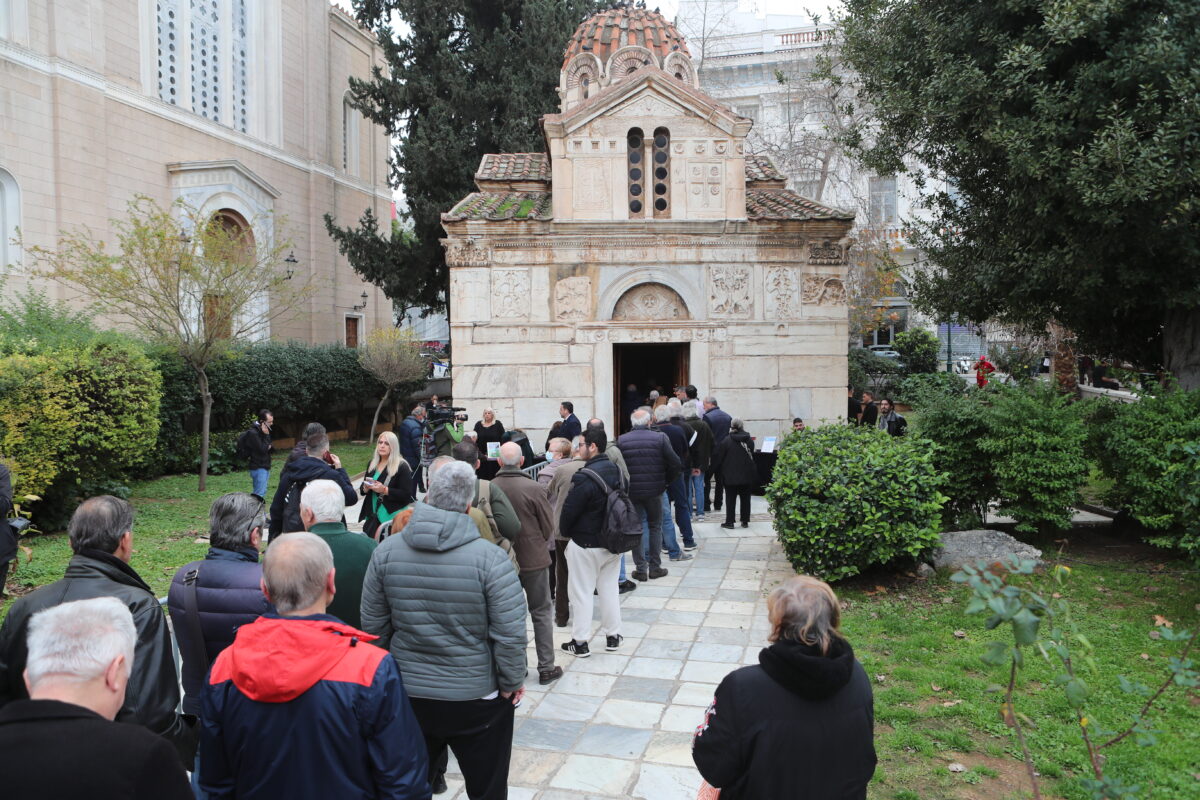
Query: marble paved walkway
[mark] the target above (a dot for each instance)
(620, 725)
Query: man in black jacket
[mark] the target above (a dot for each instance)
(101, 535)
(652, 466)
(285, 508)
(255, 446)
(8, 538)
(592, 567)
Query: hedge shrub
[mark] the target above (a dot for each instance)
(924, 389)
(955, 424)
(846, 498)
(871, 372)
(918, 349)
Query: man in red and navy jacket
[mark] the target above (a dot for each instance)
(300, 705)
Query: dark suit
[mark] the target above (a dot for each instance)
(570, 427)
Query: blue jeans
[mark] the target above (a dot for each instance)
(677, 492)
(258, 477)
(196, 790)
(695, 486)
(668, 532)
(622, 578)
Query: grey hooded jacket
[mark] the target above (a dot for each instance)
(448, 606)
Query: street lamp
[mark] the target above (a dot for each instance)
(291, 262)
(363, 304)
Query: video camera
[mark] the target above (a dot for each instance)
(446, 415)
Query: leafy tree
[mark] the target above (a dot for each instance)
(469, 77)
(1067, 133)
(181, 277)
(394, 357)
(918, 350)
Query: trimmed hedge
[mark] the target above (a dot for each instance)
(846, 498)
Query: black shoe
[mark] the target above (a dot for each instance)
(745, 524)
(689, 547)
(658, 572)
(611, 643)
(625, 586)
(727, 525)
(561, 623)
(640, 575)
(575, 648)
(439, 784)
(549, 675)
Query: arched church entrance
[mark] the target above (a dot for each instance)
(639, 368)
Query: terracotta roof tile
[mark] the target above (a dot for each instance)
(786, 204)
(498, 206)
(760, 168)
(606, 32)
(514, 167)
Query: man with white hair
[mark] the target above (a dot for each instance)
(652, 466)
(449, 607)
(80, 658)
(299, 706)
(321, 511)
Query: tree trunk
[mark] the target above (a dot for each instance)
(205, 421)
(1181, 346)
(1064, 364)
(375, 419)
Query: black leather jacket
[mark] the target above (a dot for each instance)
(152, 696)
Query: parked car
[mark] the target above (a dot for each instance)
(884, 351)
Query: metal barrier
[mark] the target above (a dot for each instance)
(533, 469)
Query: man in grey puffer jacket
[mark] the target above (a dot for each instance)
(449, 607)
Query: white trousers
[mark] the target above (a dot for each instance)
(593, 568)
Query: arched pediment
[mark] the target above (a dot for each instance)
(650, 301)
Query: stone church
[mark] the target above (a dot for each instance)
(646, 246)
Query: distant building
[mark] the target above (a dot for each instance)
(239, 106)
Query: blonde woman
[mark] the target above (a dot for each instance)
(387, 485)
(488, 430)
(800, 724)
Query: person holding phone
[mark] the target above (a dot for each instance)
(387, 485)
(254, 445)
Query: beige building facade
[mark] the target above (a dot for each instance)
(645, 246)
(237, 106)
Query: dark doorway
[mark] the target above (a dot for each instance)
(646, 366)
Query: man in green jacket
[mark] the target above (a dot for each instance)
(322, 508)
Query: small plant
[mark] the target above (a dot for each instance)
(1045, 626)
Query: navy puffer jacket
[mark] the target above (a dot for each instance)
(651, 461)
(410, 440)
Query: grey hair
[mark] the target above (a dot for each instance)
(805, 609)
(232, 518)
(418, 410)
(654, 394)
(690, 411)
(577, 442)
(312, 429)
(440, 462)
(675, 404)
(710, 400)
(295, 569)
(736, 424)
(510, 456)
(99, 523)
(325, 500)
(77, 641)
(662, 414)
(317, 444)
(452, 488)
(640, 419)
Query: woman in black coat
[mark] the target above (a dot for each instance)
(387, 485)
(488, 429)
(800, 724)
(733, 460)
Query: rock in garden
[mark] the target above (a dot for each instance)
(960, 548)
(924, 571)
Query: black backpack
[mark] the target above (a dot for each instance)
(621, 530)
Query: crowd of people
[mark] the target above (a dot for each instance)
(339, 663)
(863, 410)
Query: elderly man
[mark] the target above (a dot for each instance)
(412, 432)
(668, 419)
(285, 508)
(533, 553)
(298, 706)
(321, 510)
(700, 451)
(718, 421)
(489, 498)
(449, 607)
(652, 466)
(62, 741)
(558, 452)
(556, 493)
(101, 536)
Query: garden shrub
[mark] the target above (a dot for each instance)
(846, 498)
(955, 424)
(922, 390)
(918, 349)
(871, 372)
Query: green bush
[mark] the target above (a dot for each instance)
(918, 349)
(873, 373)
(846, 498)
(922, 390)
(955, 424)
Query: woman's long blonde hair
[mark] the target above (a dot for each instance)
(394, 458)
(805, 609)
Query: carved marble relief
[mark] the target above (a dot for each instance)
(730, 291)
(650, 334)
(591, 191)
(468, 295)
(650, 301)
(467, 253)
(573, 298)
(510, 293)
(826, 253)
(823, 290)
(782, 285)
(705, 182)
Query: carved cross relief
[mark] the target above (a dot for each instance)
(650, 301)
(510, 293)
(730, 291)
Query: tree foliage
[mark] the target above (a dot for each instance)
(918, 349)
(468, 77)
(1067, 133)
(394, 357)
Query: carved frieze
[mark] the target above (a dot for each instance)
(705, 182)
(729, 289)
(823, 290)
(573, 298)
(602, 335)
(591, 191)
(826, 253)
(650, 301)
(782, 288)
(510, 293)
(467, 253)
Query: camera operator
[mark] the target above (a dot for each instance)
(448, 426)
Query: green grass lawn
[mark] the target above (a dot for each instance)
(171, 517)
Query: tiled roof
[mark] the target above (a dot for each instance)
(760, 168)
(786, 204)
(606, 32)
(498, 206)
(514, 167)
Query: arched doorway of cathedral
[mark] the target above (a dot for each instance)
(639, 367)
(218, 316)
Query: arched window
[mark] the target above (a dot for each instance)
(585, 84)
(661, 164)
(349, 136)
(636, 162)
(218, 317)
(10, 218)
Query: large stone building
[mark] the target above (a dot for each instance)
(645, 245)
(236, 105)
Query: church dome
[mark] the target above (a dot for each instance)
(625, 25)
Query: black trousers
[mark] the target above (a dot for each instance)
(480, 734)
(716, 498)
(742, 495)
